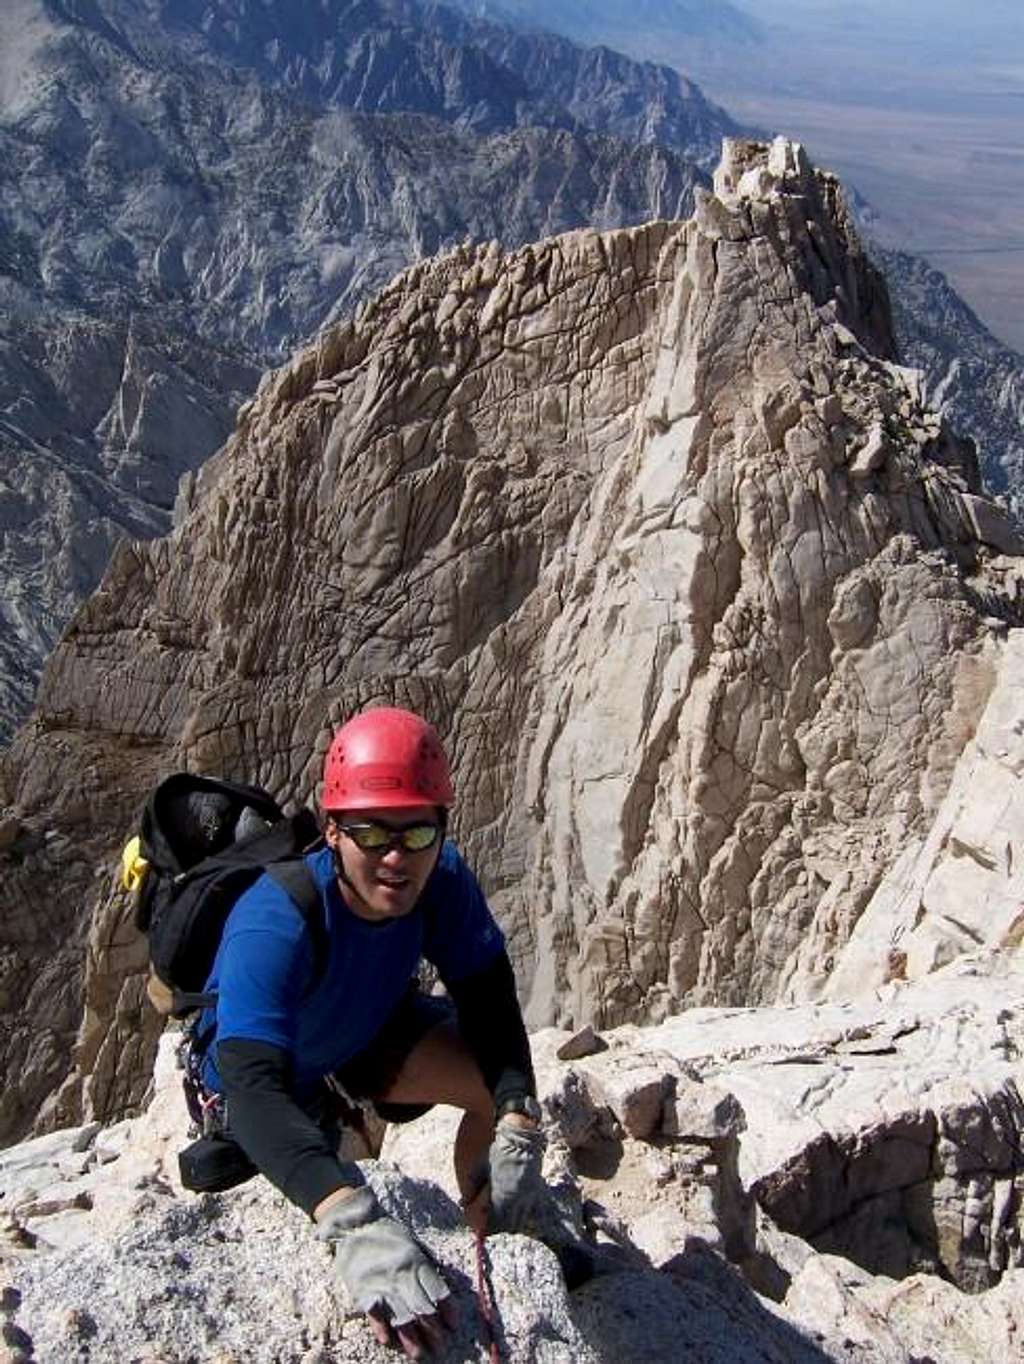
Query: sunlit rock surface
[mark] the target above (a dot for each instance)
(814, 1183)
(705, 601)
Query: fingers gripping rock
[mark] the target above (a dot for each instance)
(383, 1267)
(380, 1263)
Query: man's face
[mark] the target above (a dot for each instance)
(383, 884)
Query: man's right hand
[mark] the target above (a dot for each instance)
(387, 1273)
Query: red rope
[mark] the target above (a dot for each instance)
(483, 1292)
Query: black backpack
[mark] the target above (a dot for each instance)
(203, 842)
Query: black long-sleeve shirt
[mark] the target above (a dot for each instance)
(285, 1142)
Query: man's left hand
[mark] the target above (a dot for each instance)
(516, 1188)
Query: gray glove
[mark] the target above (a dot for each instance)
(518, 1193)
(380, 1263)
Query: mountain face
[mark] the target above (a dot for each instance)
(386, 56)
(219, 181)
(703, 597)
(189, 190)
(706, 23)
(976, 380)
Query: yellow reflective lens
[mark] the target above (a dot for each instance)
(419, 837)
(373, 837)
(369, 836)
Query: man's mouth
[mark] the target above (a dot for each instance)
(393, 882)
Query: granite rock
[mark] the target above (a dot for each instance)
(588, 505)
(192, 196)
(116, 1259)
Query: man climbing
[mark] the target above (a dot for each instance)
(393, 892)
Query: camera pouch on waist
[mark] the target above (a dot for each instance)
(213, 1164)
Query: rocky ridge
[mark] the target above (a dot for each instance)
(220, 184)
(386, 56)
(823, 1183)
(706, 602)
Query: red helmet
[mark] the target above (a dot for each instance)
(386, 757)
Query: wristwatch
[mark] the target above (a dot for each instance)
(524, 1104)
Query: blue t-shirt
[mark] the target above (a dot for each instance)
(265, 961)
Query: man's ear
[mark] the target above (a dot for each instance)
(331, 831)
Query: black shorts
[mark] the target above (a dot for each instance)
(374, 1070)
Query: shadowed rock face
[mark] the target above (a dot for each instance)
(101, 418)
(647, 522)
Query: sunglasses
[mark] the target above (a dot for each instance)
(372, 837)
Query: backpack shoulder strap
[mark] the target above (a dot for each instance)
(296, 880)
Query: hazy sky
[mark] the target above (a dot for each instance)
(920, 105)
(926, 30)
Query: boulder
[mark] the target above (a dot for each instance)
(118, 1261)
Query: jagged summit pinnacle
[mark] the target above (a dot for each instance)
(700, 594)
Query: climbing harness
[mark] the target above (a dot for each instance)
(206, 1108)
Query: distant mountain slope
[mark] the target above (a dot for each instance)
(793, 46)
(710, 22)
(416, 56)
(99, 418)
(971, 375)
(187, 191)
